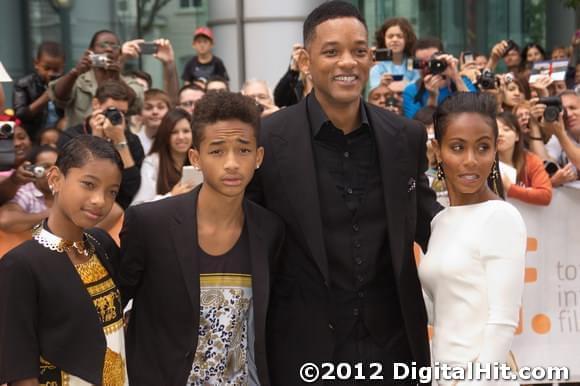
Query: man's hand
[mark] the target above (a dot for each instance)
(296, 51)
(386, 79)
(537, 110)
(564, 175)
(116, 133)
(433, 83)
(164, 51)
(97, 122)
(452, 70)
(131, 49)
(556, 128)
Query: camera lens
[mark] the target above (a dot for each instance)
(437, 66)
(551, 113)
(6, 129)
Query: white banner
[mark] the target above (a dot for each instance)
(549, 332)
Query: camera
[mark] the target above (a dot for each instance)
(37, 170)
(553, 108)
(391, 102)
(487, 80)
(99, 60)
(436, 66)
(113, 115)
(7, 130)
(383, 55)
(511, 45)
(148, 48)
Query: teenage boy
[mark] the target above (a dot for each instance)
(156, 104)
(205, 64)
(31, 102)
(197, 265)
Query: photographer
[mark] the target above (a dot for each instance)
(31, 203)
(564, 146)
(107, 120)
(30, 96)
(509, 51)
(16, 175)
(74, 91)
(294, 85)
(397, 36)
(382, 96)
(435, 85)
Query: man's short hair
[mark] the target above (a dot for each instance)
(224, 106)
(52, 49)
(190, 86)
(327, 11)
(116, 90)
(157, 94)
(429, 42)
(141, 75)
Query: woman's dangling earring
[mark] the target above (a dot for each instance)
(440, 173)
(494, 172)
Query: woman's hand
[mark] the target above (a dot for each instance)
(564, 175)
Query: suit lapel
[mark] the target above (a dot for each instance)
(390, 144)
(292, 148)
(184, 235)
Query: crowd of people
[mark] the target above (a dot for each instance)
(328, 277)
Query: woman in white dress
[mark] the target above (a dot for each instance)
(473, 272)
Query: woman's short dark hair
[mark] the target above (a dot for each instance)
(98, 33)
(168, 175)
(405, 26)
(224, 106)
(86, 148)
(327, 11)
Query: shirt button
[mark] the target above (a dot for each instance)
(355, 312)
(357, 244)
(360, 278)
(358, 261)
(361, 294)
(349, 190)
(330, 326)
(355, 227)
(346, 154)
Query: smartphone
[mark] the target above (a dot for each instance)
(468, 57)
(191, 175)
(397, 78)
(148, 48)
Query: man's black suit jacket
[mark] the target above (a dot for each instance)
(299, 325)
(159, 270)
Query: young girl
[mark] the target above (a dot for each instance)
(61, 319)
(473, 272)
(161, 169)
(397, 35)
(532, 183)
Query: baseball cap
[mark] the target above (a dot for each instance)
(203, 31)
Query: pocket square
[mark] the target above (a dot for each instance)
(411, 185)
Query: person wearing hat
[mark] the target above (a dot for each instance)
(205, 64)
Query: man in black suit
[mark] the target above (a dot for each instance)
(197, 265)
(348, 180)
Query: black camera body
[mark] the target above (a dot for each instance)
(432, 66)
(551, 167)
(511, 45)
(383, 55)
(553, 108)
(487, 80)
(37, 170)
(114, 116)
(7, 155)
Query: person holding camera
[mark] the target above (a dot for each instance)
(32, 201)
(259, 91)
(14, 146)
(74, 91)
(294, 84)
(384, 97)
(440, 79)
(107, 120)
(564, 145)
(509, 51)
(30, 95)
(395, 40)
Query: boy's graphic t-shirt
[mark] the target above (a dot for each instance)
(194, 69)
(225, 347)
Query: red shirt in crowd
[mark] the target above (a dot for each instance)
(533, 185)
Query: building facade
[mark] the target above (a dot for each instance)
(254, 37)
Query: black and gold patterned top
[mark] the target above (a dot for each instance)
(107, 301)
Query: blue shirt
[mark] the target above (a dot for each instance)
(390, 67)
(410, 108)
